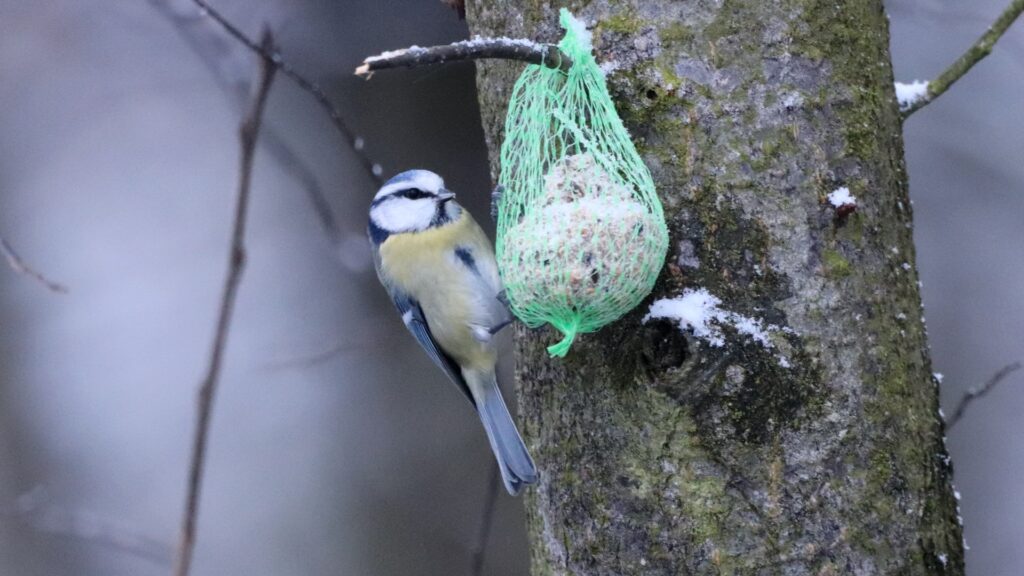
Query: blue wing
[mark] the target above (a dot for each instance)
(412, 316)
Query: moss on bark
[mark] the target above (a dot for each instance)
(662, 455)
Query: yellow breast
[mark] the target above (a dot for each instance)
(406, 257)
(422, 264)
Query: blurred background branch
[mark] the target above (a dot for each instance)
(229, 72)
(277, 60)
(484, 535)
(248, 134)
(19, 266)
(35, 510)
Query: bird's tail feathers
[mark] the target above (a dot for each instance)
(517, 468)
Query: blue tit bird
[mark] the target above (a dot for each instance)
(438, 266)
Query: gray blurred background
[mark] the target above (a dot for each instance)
(336, 447)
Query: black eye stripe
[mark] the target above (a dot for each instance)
(410, 193)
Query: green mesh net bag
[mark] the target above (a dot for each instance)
(581, 233)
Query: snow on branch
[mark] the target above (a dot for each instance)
(908, 95)
(919, 94)
(478, 48)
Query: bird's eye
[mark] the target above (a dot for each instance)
(416, 194)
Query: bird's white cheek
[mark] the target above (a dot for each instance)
(404, 214)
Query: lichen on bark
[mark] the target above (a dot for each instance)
(662, 455)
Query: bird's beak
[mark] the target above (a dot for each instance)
(445, 195)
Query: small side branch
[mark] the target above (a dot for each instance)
(479, 48)
(236, 263)
(976, 393)
(18, 265)
(976, 53)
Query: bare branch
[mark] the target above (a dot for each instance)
(493, 479)
(373, 169)
(479, 48)
(248, 133)
(976, 53)
(976, 393)
(217, 54)
(19, 266)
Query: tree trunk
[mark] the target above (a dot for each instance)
(660, 454)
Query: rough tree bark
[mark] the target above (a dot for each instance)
(661, 455)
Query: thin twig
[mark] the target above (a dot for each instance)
(479, 554)
(976, 393)
(216, 53)
(373, 169)
(368, 340)
(976, 53)
(248, 133)
(19, 266)
(479, 48)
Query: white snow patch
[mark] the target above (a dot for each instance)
(841, 197)
(906, 266)
(700, 311)
(938, 377)
(695, 309)
(943, 558)
(956, 494)
(909, 94)
(580, 30)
